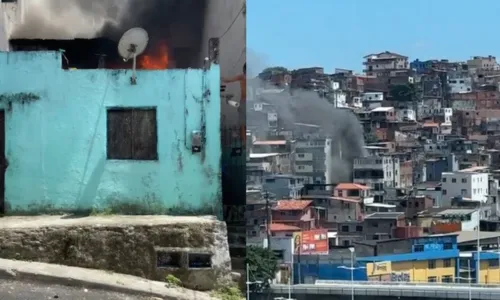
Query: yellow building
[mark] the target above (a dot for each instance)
(420, 259)
(489, 272)
(434, 270)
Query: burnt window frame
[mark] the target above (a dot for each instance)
(112, 152)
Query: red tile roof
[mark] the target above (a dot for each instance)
(351, 186)
(292, 204)
(283, 227)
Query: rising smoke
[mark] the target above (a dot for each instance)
(68, 19)
(341, 125)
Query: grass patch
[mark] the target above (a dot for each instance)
(173, 281)
(231, 292)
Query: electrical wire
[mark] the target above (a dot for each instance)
(232, 23)
(239, 58)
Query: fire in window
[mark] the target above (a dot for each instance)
(132, 134)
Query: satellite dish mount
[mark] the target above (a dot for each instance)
(132, 44)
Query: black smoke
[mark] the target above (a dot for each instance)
(68, 19)
(178, 23)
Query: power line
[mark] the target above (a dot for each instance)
(232, 23)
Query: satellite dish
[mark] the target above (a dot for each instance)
(132, 44)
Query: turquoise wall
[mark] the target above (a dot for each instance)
(56, 139)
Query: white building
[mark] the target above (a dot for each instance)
(467, 217)
(372, 100)
(406, 115)
(469, 185)
(459, 82)
(377, 172)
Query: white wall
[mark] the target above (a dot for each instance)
(466, 184)
(405, 114)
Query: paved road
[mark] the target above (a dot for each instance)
(15, 290)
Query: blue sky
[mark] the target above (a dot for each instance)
(338, 33)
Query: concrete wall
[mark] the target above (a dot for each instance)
(219, 16)
(56, 138)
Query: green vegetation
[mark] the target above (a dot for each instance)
(403, 92)
(231, 292)
(263, 265)
(370, 137)
(173, 281)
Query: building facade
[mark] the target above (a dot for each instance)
(422, 259)
(468, 185)
(377, 172)
(124, 139)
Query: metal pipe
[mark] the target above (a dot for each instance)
(248, 282)
(352, 275)
(478, 260)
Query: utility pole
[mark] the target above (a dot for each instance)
(268, 220)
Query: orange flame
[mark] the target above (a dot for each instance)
(157, 59)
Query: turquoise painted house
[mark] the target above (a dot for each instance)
(84, 140)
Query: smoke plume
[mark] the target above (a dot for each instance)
(69, 19)
(341, 125)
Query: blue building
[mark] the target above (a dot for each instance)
(418, 66)
(82, 140)
(334, 266)
(436, 166)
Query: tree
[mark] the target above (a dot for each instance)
(403, 92)
(370, 137)
(262, 264)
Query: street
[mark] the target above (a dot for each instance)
(15, 290)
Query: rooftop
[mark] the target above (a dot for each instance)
(385, 215)
(276, 227)
(270, 143)
(292, 204)
(382, 109)
(263, 155)
(455, 212)
(351, 186)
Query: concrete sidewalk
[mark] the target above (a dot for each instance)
(96, 279)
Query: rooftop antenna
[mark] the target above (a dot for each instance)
(131, 45)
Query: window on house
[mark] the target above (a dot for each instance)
(347, 243)
(447, 279)
(444, 179)
(447, 263)
(418, 248)
(359, 228)
(345, 228)
(166, 259)
(463, 192)
(132, 134)
(493, 262)
(464, 180)
(447, 246)
(199, 260)
(444, 192)
(375, 224)
(453, 180)
(432, 264)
